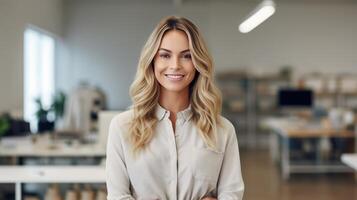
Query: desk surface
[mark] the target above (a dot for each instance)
(302, 129)
(350, 160)
(44, 146)
(52, 174)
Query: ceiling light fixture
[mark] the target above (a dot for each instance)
(262, 12)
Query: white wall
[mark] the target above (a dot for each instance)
(103, 39)
(307, 36)
(14, 16)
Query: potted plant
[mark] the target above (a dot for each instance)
(4, 124)
(43, 123)
(58, 105)
(47, 117)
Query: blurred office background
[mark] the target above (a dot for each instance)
(289, 87)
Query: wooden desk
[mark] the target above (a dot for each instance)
(284, 129)
(298, 128)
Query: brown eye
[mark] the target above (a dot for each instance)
(164, 55)
(187, 56)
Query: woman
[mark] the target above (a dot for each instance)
(173, 143)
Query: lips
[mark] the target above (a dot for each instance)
(174, 77)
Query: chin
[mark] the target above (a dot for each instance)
(174, 88)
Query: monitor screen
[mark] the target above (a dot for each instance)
(295, 98)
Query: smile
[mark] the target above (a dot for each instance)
(174, 77)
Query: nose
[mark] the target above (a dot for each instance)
(175, 63)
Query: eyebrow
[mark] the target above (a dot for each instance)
(184, 51)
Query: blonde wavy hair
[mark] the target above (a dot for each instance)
(205, 98)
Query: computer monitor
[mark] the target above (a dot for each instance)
(295, 98)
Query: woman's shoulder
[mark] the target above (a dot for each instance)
(225, 124)
(226, 132)
(124, 118)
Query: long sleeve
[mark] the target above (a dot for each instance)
(230, 183)
(117, 179)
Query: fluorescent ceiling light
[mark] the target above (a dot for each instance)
(263, 11)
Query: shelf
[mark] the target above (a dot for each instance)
(232, 75)
(247, 96)
(24, 147)
(52, 174)
(349, 94)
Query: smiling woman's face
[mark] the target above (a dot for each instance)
(173, 66)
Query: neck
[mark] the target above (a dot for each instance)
(174, 101)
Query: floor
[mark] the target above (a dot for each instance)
(263, 181)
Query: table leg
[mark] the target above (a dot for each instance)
(285, 158)
(18, 195)
(355, 148)
(274, 142)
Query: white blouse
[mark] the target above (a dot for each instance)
(174, 166)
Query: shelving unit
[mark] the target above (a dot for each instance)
(42, 159)
(265, 89)
(325, 88)
(234, 87)
(347, 90)
(248, 98)
(338, 90)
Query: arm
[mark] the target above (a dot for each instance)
(230, 183)
(117, 178)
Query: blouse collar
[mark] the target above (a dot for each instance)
(162, 113)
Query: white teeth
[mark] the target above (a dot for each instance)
(174, 77)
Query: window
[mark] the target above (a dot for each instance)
(39, 49)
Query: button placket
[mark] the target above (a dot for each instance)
(173, 162)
